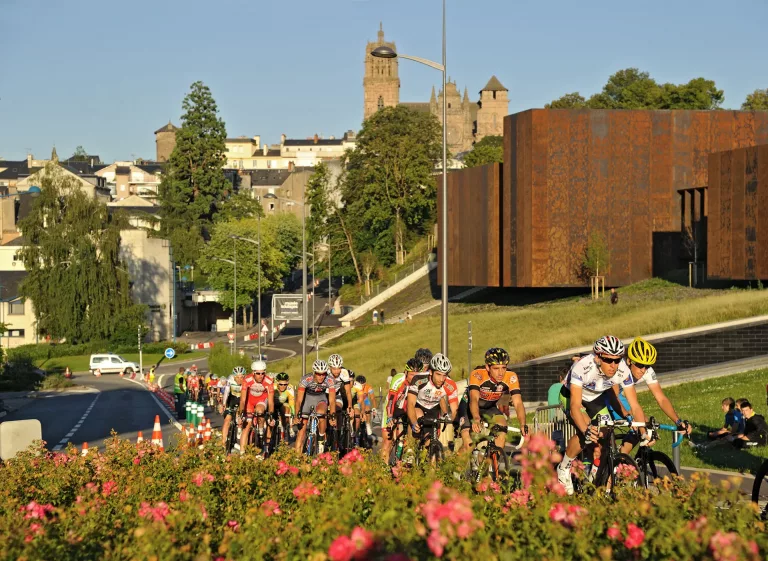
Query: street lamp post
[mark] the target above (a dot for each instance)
(257, 243)
(387, 52)
(303, 276)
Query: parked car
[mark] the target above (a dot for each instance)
(111, 363)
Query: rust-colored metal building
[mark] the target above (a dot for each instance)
(737, 215)
(568, 173)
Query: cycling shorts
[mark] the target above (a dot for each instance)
(433, 413)
(312, 401)
(252, 402)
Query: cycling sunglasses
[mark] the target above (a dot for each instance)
(641, 366)
(611, 360)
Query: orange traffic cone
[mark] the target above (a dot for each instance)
(190, 434)
(157, 434)
(98, 372)
(207, 433)
(140, 439)
(199, 439)
(85, 449)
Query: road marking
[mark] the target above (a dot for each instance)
(71, 433)
(162, 406)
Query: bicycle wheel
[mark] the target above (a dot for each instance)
(231, 436)
(760, 489)
(435, 451)
(603, 476)
(654, 465)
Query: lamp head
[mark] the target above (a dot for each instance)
(383, 52)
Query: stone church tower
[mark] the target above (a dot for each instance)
(381, 85)
(459, 116)
(165, 142)
(492, 107)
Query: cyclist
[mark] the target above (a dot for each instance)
(427, 394)
(363, 403)
(256, 400)
(396, 403)
(342, 384)
(593, 383)
(424, 356)
(284, 402)
(193, 385)
(230, 402)
(487, 385)
(312, 394)
(213, 389)
(641, 355)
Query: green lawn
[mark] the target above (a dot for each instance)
(80, 363)
(699, 403)
(535, 330)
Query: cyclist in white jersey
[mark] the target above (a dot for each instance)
(593, 383)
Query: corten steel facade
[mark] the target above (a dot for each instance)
(737, 217)
(568, 173)
(474, 236)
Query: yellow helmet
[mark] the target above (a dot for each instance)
(642, 352)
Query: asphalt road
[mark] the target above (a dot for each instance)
(113, 403)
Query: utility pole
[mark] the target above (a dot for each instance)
(141, 356)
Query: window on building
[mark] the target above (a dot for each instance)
(271, 206)
(494, 95)
(449, 106)
(14, 333)
(381, 102)
(16, 308)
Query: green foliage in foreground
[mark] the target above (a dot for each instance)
(135, 503)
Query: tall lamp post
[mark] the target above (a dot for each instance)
(257, 243)
(387, 52)
(303, 275)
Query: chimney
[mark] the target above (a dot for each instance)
(282, 139)
(266, 149)
(290, 166)
(29, 160)
(315, 139)
(332, 137)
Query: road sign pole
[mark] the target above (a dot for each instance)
(141, 357)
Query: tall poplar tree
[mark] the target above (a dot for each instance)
(194, 185)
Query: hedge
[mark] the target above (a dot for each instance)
(45, 351)
(135, 502)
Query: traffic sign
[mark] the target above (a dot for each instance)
(231, 336)
(170, 353)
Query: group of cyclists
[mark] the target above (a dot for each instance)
(598, 385)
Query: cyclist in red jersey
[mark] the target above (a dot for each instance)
(256, 399)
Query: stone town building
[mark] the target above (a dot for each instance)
(165, 142)
(468, 121)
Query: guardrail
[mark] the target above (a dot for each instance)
(551, 421)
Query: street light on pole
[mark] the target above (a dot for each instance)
(257, 243)
(387, 52)
(303, 276)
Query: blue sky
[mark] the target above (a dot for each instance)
(106, 74)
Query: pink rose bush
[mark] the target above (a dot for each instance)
(201, 504)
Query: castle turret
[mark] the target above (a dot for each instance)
(493, 107)
(165, 141)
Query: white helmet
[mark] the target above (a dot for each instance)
(320, 366)
(238, 371)
(440, 363)
(258, 366)
(609, 345)
(335, 361)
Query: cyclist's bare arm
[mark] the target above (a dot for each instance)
(579, 418)
(517, 401)
(634, 405)
(664, 403)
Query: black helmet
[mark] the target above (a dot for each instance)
(413, 365)
(360, 379)
(282, 377)
(496, 355)
(424, 356)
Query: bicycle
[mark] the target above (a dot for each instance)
(429, 439)
(278, 434)
(487, 456)
(258, 429)
(312, 437)
(610, 459)
(340, 436)
(649, 461)
(397, 434)
(233, 434)
(759, 492)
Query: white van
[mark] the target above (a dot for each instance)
(110, 363)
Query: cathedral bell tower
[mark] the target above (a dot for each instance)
(381, 85)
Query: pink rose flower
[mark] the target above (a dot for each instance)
(270, 508)
(613, 532)
(233, 524)
(108, 488)
(201, 477)
(356, 546)
(635, 536)
(305, 490)
(283, 468)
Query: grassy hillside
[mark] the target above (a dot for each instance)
(533, 330)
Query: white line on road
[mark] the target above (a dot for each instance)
(71, 433)
(162, 406)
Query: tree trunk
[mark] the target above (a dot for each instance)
(351, 249)
(398, 239)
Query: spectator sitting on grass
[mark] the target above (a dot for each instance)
(755, 428)
(734, 421)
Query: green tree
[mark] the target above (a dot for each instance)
(634, 89)
(239, 206)
(75, 278)
(596, 254)
(285, 229)
(193, 186)
(489, 150)
(274, 262)
(569, 101)
(80, 155)
(318, 198)
(389, 187)
(756, 101)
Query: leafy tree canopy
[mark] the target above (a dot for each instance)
(633, 89)
(756, 101)
(193, 187)
(318, 198)
(75, 277)
(489, 150)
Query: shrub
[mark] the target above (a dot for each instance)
(19, 374)
(45, 351)
(56, 382)
(221, 362)
(134, 502)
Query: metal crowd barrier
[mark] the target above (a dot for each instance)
(551, 420)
